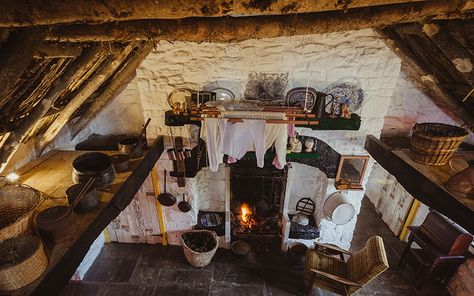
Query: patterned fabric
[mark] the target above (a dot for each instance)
(361, 267)
(368, 263)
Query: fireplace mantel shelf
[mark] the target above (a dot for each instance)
(289, 156)
(324, 123)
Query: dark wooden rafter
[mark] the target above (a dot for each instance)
(58, 50)
(423, 79)
(458, 29)
(57, 87)
(16, 55)
(459, 57)
(28, 13)
(116, 84)
(227, 29)
(118, 55)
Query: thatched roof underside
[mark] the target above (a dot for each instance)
(62, 63)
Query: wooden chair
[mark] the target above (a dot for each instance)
(325, 271)
(443, 246)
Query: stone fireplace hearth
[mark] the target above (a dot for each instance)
(256, 203)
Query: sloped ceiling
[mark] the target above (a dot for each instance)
(66, 60)
(438, 56)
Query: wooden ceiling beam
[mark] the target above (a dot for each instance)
(459, 57)
(423, 80)
(51, 50)
(232, 29)
(92, 85)
(13, 141)
(15, 56)
(22, 13)
(120, 79)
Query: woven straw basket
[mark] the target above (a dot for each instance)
(198, 259)
(17, 204)
(435, 143)
(22, 260)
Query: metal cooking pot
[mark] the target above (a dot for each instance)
(121, 162)
(131, 147)
(56, 224)
(88, 202)
(93, 164)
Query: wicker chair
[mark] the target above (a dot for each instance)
(344, 277)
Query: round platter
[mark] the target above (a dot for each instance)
(296, 97)
(180, 95)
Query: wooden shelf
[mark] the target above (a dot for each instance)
(289, 156)
(324, 123)
(178, 120)
(336, 123)
(51, 174)
(424, 182)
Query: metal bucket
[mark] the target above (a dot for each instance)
(339, 208)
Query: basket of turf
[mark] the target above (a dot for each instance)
(199, 246)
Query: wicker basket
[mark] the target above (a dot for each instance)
(22, 260)
(198, 259)
(17, 204)
(435, 143)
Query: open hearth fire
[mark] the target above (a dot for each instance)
(249, 222)
(247, 217)
(256, 201)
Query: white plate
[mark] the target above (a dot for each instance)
(223, 94)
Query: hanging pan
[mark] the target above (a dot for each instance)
(183, 205)
(166, 199)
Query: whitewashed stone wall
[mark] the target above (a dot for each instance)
(409, 106)
(320, 59)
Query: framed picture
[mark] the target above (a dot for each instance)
(350, 172)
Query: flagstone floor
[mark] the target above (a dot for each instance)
(151, 270)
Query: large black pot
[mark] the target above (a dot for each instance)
(93, 164)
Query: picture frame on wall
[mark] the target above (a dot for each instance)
(351, 171)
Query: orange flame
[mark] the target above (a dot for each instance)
(246, 216)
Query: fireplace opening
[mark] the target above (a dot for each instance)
(257, 196)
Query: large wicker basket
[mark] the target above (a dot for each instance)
(22, 260)
(435, 143)
(17, 204)
(199, 259)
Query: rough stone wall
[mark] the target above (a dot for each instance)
(409, 105)
(324, 58)
(124, 116)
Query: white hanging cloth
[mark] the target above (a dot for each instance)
(241, 137)
(212, 132)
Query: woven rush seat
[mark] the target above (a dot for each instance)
(319, 261)
(344, 277)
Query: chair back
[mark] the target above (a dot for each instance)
(366, 264)
(446, 235)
